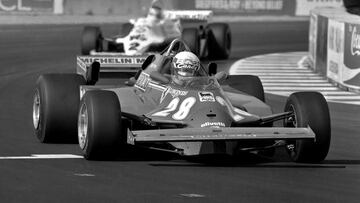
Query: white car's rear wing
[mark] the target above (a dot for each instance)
(202, 15)
(214, 134)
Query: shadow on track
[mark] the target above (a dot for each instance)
(249, 160)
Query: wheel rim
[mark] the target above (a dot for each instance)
(83, 126)
(36, 110)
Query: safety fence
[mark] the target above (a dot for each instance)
(334, 46)
(137, 7)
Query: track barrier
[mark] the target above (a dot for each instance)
(334, 46)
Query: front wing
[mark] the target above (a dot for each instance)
(217, 134)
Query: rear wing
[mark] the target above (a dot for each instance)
(110, 64)
(216, 134)
(189, 15)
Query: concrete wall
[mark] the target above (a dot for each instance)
(335, 46)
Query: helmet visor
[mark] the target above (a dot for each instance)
(186, 68)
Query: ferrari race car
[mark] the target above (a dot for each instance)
(140, 37)
(208, 114)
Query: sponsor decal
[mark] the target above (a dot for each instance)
(26, 5)
(335, 36)
(213, 124)
(312, 38)
(188, 14)
(333, 67)
(240, 4)
(240, 7)
(113, 60)
(143, 81)
(220, 136)
(206, 97)
(355, 42)
(350, 67)
(352, 46)
(335, 49)
(174, 93)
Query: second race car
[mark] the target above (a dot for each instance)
(154, 32)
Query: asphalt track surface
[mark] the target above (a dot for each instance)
(28, 51)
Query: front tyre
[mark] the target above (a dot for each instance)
(100, 131)
(310, 109)
(55, 107)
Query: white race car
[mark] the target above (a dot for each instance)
(144, 35)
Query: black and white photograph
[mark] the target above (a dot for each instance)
(214, 101)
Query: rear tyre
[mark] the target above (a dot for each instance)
(191, 38)
(55, 107)
(248, 84)
(219, 41)
(91, 40)
(126, 29)
(310, 109)
(100, 130)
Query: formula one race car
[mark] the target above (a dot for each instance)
(207, 114)
(146, 35)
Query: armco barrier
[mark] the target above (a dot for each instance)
(335, 48)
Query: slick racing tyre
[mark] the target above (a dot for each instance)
(191, 38)
(91, 40)
(248, 84)
(126, 29)
(310, 109)
(100, 125)
(219, 41)
(55, 107)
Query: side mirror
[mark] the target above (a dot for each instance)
(212, 68)
(147, 62)
(92, 73)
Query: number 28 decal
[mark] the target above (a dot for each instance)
(183, 110)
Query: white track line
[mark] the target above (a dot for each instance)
(283, 74)
(279, 84)
(42, 156)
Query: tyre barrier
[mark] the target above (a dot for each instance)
(334, 46)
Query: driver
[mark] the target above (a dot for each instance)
(155, 14)
(184, 66)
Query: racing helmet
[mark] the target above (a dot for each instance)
(185, 64)
(155, 13)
